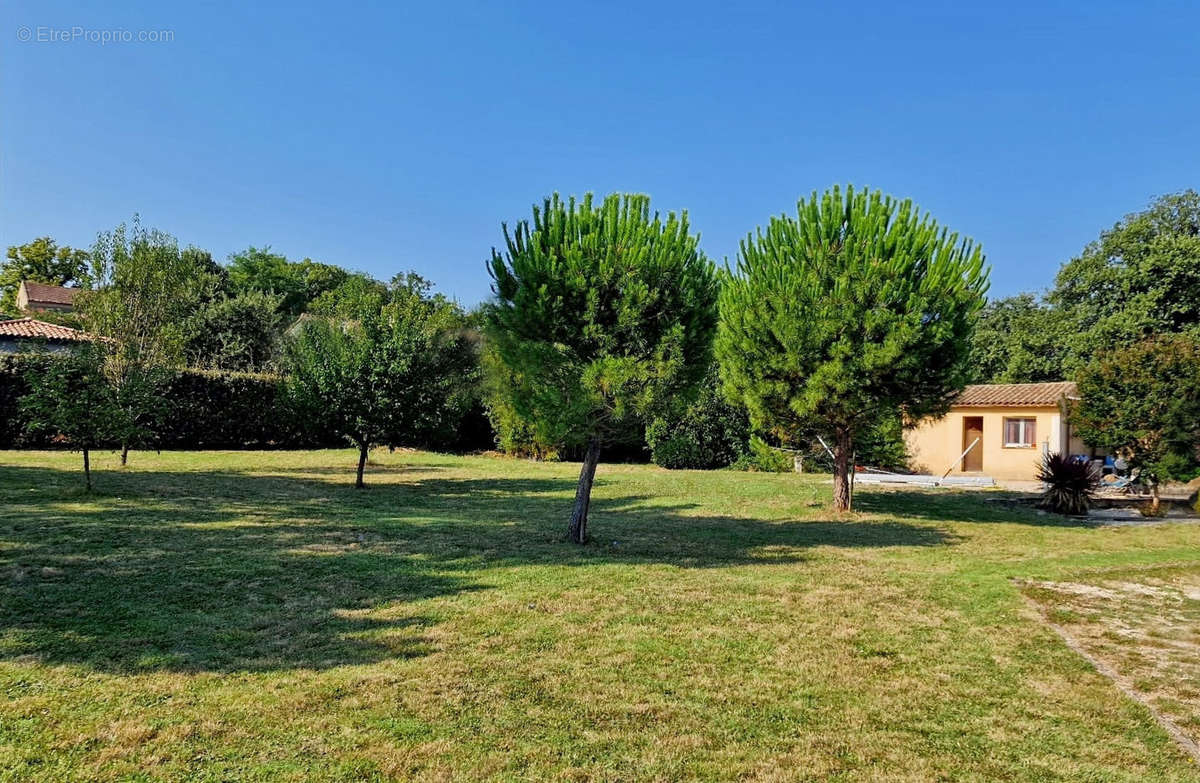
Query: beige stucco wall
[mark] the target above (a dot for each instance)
(936, 443)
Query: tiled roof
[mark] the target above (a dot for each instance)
(33, 329)
(40, 293)
(1016, 394)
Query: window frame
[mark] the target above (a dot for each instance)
(1025, 421)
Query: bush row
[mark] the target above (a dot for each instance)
(205, 410)
(211, 409)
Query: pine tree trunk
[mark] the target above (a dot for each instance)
(1155, 500)
(124, 454)
(362, 462)
(577, 531)
(842, 449)
(87, 470)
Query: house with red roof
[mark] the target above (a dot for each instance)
(20, 334)
(39, 297)
(999, 430)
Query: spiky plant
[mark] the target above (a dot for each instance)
(1068, 484)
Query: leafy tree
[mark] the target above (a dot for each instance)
(40, 261)
(602, 313)
(1140, 278)
(707, 432)
(1143, 402)
(70, 399)
(1020, 340)
(145, 288)
(239, 332)
(356, 296)
(296, 284)
(391, 376)
(855, 309)
(258, 269)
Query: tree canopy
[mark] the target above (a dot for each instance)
(393, 374)
(1138, 279)
(602, 311)
(855, 309)
(1142, 401)
(70, 398)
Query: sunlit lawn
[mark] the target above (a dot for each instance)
(250, 616)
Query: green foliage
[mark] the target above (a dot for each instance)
(145, 290)
(296, 284)
(70, 400)
(602, 313)
(707, 433)
(879, 445)
(200, 410)
(240, 332)
(1020, 340)
(761, 457)
(399, 375)
(1140, 278)
(514, 434)
(40, 261)
(233, 410)
(1143, 401)
(857, 308)
(1068, 484)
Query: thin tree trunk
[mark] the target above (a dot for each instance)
(124, 454)
(87, 470)
(1155, 500)
(842, 449)
(577, 531)
(362, 461)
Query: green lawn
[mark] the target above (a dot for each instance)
(249, 616)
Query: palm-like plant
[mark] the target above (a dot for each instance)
(1068, 484)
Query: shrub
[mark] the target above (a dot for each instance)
(762, 457)
(203, 410)
(1069, 484)
(708, 433)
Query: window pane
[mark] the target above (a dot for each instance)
(1030, 432)
(1012, 431)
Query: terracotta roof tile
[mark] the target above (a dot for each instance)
(40, 293)
(1016, 394)
(30, 328)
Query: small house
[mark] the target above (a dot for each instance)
(35, 297)
(999, 430)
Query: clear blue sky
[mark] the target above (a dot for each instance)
(385, 137)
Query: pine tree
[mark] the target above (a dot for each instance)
(602, 313)
(855, 309)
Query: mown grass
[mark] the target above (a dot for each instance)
(250, 616)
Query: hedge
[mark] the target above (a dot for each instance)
(206, 410)
(217, 409)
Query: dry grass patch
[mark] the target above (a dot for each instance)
(1141, 627)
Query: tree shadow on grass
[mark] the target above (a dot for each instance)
(231, 571)
(942, 505)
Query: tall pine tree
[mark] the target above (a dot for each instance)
(602, 312)
(855, 309)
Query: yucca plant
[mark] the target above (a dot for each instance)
(1068, 484)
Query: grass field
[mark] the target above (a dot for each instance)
(250, 616)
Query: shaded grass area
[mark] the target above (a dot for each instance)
(242, 615)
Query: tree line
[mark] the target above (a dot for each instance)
(608, 329)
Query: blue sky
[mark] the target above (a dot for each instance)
(386, 136)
